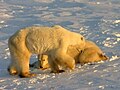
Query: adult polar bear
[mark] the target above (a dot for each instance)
(52, 41)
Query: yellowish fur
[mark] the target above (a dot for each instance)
(92, 53)
(52, 41)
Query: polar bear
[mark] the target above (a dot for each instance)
(91, 53)
(52, 41)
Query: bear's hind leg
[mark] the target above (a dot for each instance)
(24, 66)
(12, 70)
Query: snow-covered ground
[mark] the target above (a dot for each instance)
(97, 20)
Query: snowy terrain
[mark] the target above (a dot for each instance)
(97, 20)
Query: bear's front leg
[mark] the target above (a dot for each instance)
(54, 65)
(64, 59)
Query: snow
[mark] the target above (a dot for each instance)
(97, 20)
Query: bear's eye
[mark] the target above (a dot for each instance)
(82, 38)
(104, 56)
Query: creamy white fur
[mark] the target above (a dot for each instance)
(52, 41)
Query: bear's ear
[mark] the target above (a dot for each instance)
(103, 56)
(82, 38)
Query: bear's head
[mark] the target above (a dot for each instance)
(103, 56)
(44, 62)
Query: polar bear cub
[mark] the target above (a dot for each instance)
(52, 41)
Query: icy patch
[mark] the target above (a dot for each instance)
(90, 83)
(42, 77)
(117, 34)
(97, 2)
(1, 43)
(7, 53)
(1, 22)
(95, 71)
(4, 15)
(105, 70)
(114, 58)
(101, 87)
(17, 82)
(96, 66)
(32, 81)
(2, 81)
(116, 22)
(110, 42)
(44, 1)
(65, 14)
(100, 62)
